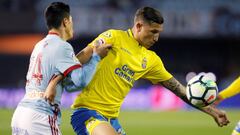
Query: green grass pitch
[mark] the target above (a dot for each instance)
(150, 123)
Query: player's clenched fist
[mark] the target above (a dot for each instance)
(219, 116)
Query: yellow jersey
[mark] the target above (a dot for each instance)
(126, 62)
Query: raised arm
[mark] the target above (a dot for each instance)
(178, 89)
(104, 39)
(84, 55)
(80, 77)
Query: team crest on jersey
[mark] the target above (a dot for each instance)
(107, 34)
(99, 42)
(144, 63)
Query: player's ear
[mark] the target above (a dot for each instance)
(65, 22)
(139, 26)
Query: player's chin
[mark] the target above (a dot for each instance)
(70, 36)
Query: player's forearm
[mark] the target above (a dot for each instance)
(82, 76)
(56, 80)
(178, 89)
(209, 110)
(85, 55)
(51, 88)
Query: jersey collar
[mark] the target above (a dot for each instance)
(130, 34)
(53, 33)
(129, 31)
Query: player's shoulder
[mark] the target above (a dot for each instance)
(153, 56)
(151, 53)
(113, 32)
(60, 42)
(62, 45)
(56, 41)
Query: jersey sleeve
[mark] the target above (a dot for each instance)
(107, 37)
(66, 60)
(82, 76)
(157, 72)
(231, 90)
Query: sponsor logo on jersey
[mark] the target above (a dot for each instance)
(107, 34)
(144, 63)
(126, 73)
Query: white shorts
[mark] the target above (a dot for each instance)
(26, 121)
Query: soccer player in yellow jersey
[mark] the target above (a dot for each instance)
(230, 91)
(96, 108)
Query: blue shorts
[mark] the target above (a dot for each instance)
(82, 116)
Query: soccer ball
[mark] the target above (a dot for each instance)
(201, 91)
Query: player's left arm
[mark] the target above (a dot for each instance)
(178, 89)
(74, 81)
(81, 77)
(50, 92)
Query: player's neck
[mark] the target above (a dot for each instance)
(135, 34)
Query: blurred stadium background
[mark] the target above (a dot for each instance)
(199, 36)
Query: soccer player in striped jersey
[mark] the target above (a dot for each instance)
(232, 90)
(52, 56)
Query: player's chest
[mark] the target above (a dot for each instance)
(133, 60)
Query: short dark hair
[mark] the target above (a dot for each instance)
(149, 15)
(55, 13)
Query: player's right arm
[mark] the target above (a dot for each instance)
(106, 38)
(232, 90)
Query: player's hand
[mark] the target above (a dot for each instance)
(49, 95)
(220, 117)
(102, 50)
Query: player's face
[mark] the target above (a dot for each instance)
(149, 33)
(69, 28)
